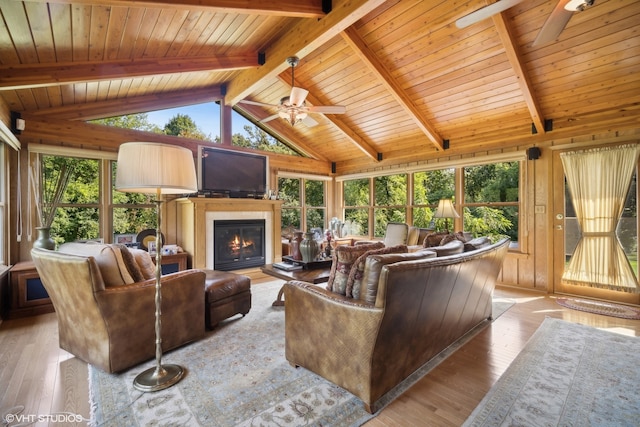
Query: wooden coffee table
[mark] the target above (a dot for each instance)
(317, 275)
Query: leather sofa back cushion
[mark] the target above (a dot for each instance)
(108, 257)
(451, 248)
(373, 266)
(357, 269)
(343, 259)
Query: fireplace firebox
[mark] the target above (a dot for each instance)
(238, 244)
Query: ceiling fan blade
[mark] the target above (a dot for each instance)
(297, 96)
(327, 109)
(309, 122)
(262, 104)
(267, 119)
(554, 24)
(486, 12)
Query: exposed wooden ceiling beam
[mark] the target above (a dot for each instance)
(305, 37)
(353, 39)
(293, 8)
(40, 75)
(132, 105)
(521, 74)
(348, 132)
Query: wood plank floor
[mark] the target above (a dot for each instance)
(35, 373)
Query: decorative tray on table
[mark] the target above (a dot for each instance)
(320, 263)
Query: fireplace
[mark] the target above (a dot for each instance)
(238, 244)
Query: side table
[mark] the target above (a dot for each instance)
(315, 276)
(28, 296)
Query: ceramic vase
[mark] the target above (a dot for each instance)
(295, 245)
(44, 240)
(309, 248)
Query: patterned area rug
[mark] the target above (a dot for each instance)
(599, 307)
(237, 376)
(567, 375)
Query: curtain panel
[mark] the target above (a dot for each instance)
(598, 181)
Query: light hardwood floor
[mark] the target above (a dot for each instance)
(35, 373)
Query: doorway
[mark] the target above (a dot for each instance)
(618, 254)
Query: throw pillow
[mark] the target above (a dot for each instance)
(357, 269)
(130, 263)
(368, 291)
(448, 238)
(145, 263)
(343, 259)
(477, 243)
(434, 239)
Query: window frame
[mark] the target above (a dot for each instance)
(303, 207)
(458, 166)
(104, 206)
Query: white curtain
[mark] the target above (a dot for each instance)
(599, 180)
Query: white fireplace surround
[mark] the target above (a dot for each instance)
(212, 216)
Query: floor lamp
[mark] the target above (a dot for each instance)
(153, 168)
(446, 210)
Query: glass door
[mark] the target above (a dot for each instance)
(616, 255)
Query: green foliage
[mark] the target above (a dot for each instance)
(495, 182)
(431, 186)
(80, 221)
(356, 192)
(138, 121)
(260, 140)
(182, 125)
(485, 221)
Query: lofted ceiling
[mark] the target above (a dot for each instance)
(414, 84)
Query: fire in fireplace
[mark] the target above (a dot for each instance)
(238, 244)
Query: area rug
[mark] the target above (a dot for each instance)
(567, 375)
(599, 307)
(237, 376)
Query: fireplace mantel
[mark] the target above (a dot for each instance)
(195, 218)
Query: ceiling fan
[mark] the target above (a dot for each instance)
(552, 27)
(293, 108)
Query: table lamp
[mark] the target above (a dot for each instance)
(154, 168)
(446, 210)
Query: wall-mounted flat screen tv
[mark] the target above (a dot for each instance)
(230, 173)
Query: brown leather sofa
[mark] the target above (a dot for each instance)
(408, 311)
(104, 300)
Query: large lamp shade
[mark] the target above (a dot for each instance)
(151, 167)
(445, 209)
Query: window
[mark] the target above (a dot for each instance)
(90, 208)
(390, 196)
(356, 196)
(491, 199)
(490, 202)
(132, 212)
(428, 188)
(304, 204)
(77, 216)
(627, 230)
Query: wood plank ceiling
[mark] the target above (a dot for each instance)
(412, 82)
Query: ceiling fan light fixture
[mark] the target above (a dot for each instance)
(578, 5)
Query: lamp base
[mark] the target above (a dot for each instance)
(154, 380)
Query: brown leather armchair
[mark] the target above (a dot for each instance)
(105, 317)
